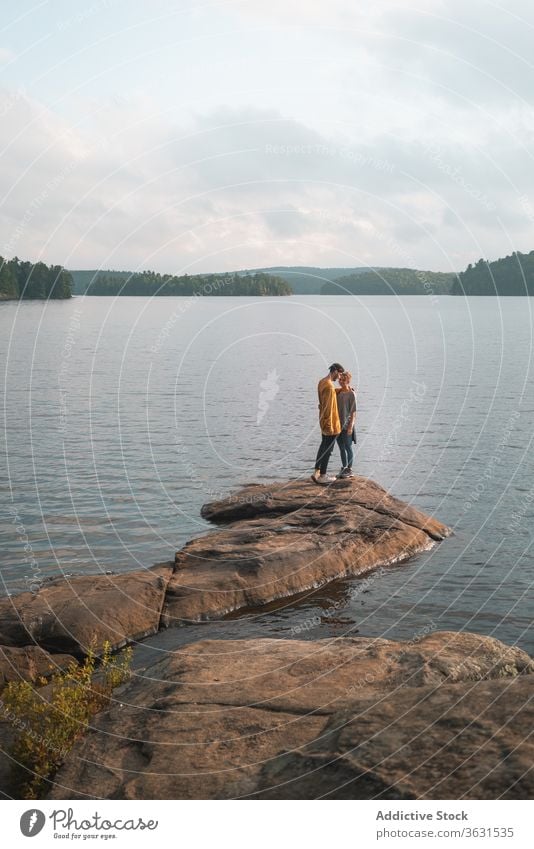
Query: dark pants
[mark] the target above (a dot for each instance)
(344, 441)
(325, 450)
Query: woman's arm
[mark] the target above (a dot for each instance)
(352, 420)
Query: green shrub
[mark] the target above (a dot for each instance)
(50, 715)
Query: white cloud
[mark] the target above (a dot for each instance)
(6, 55)
(384, 155)
(336, 13)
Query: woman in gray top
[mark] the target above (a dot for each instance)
(346, 405)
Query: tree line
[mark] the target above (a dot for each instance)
(153, 284)
(28, 280)
(391, 281)
(511, 275)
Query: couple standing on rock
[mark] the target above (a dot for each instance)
(337, 418)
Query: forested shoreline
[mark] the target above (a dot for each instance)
(20, 280)
(391, 281)
(511, 275)
(150, 283)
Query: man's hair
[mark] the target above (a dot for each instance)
(336, 367)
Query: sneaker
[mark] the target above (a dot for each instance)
(324, 480)
(315, 475)
(347, 473)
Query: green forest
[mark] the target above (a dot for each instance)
(512, 275)
(152, 283)
(28, 280)
(308, 280)
(391, 281)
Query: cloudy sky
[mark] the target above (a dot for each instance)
(200, 136)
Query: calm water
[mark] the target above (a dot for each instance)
(123, 417)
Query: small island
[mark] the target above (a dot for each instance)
(152, 284)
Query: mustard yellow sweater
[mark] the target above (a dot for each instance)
(328, 413)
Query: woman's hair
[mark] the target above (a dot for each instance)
(347, 375)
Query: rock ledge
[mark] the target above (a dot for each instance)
(279, 540)
(282, 539)
(447, 717)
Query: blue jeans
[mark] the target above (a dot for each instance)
(325, 450)
(344, 441)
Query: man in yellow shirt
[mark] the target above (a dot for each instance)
(329, 422)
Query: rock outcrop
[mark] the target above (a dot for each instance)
(445, 716)
(66, 614)
(466, 741)
(280, 540)
(297, 497)
(285, 538)
(29, 663)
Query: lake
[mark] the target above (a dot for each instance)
(123, 416)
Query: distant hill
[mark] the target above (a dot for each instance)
(308, 279)
(303, 280)
(512, 275)
(391, 281)
(83, 279)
